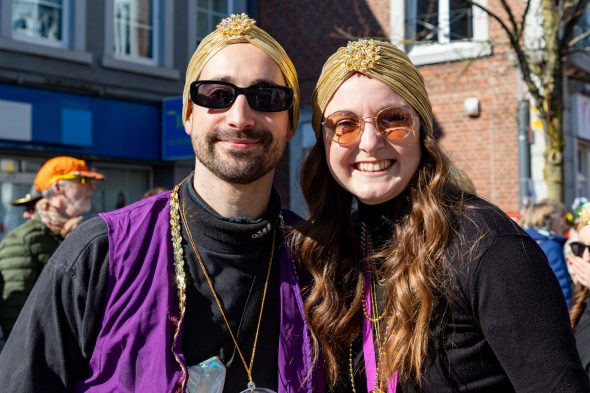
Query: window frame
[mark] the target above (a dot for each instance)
(74, 48)
(155, 41)
(64, 42)
(233, 7)
(161, 64)
(444, 50)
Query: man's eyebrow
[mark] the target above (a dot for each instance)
(258, 81)
(265, 82)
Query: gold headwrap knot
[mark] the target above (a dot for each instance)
(361, 55)
(235, 26)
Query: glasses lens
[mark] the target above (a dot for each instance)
(345, 127)
(269, 98)
(212, 95)
(396, 123)
(577, 248)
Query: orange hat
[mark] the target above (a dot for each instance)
(63, 168)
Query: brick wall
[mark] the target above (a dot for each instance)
(485, 147)
(311, 30)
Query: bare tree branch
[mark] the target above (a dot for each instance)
(578, 38)
(511, 18)
(514, 38)
(494, 16)
(585, 49)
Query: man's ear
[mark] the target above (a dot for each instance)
(290, 133)
(57, 188)
(188, 121)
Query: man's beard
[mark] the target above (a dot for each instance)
(241, 167)
(79, 206)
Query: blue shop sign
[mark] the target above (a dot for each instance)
(49, 121)
(176, 144)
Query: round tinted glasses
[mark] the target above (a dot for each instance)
(261, 97)
(345, 128)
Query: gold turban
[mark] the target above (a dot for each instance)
(376, 59)
(241, 29)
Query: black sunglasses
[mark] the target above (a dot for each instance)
(578, 248)
(219, 94)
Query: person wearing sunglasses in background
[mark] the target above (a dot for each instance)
(189, 290)
(426, 287)
(579, 263)
(28, 202)
(66, 188)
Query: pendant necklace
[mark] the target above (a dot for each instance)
(251, 388)
(372, 360)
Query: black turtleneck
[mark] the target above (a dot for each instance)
(235, 251)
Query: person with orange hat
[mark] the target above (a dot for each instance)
(65, 185)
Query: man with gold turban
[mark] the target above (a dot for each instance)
(190, 290)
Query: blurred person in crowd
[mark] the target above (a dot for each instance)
(121, 200)
(192, 282)
(545, 223)
(153, 191)
(28, 202)
(572, 217)
(579, 262)
(426, 287)
(66, 185)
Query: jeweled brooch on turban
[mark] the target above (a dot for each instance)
(235, 26)
(361, 55)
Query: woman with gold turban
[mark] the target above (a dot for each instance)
(425, 287)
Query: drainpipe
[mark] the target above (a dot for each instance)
(524, 151)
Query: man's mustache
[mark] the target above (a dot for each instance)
(261, 135)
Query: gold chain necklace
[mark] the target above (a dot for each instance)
(251, 386)
(377, 388)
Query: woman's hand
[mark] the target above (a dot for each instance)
(580, 270)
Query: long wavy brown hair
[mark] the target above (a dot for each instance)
(412, 267)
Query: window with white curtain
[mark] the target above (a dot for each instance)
(209, 14)
(43, 21)
(136, 29)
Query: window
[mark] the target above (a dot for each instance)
(206, 15)
(430, 23)
(435, 31)
(40, 20)
(580, 31)
(209, 14)
(135, 29)
(139, 37)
